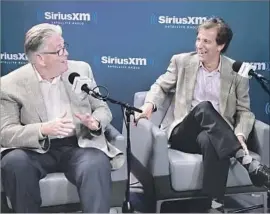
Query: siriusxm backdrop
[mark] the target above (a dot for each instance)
(129, 43)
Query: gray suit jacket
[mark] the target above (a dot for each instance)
(23, 111)
(181, 76)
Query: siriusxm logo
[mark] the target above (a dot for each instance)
(178, 22)
(261, 66)
(123, 62)
(68, 18)
(13, 58)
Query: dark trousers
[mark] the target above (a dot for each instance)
(204, 131)
(87, 168)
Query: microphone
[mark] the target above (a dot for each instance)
(245, 69)
(82, 83)
(79, 83)
(72, 76)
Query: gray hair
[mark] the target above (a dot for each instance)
(35, 37)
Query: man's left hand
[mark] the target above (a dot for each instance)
(88, 121)
(242, 141)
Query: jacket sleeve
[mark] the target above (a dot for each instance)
(163, 84)
(244, 118)
(13, 133)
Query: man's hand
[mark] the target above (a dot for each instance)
(88, 121)
(242, 141)
(147, 110)
(59, 127)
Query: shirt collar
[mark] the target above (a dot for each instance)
(218, 68)
(40, 79)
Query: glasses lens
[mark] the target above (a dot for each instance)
(61, 52)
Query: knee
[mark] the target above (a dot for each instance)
(94, 160)
(15, 160)
(15, 164)
(203, 140)
(205, 106)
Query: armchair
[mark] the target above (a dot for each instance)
(57, 190)
(168, 174)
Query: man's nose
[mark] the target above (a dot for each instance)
(66, 52)
(199, 44)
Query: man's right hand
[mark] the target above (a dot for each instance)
(147, 109)
(59, 127)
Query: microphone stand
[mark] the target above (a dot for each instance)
(263, 82)
(129, 110)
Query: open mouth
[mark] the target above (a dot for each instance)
(201, 53)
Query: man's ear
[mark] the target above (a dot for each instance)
(220, 47)
(39, 59)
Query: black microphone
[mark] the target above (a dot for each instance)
(72, 76)
(245, 70)
(81, 84)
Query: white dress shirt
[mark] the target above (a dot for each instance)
(207, 87)
(56, 100)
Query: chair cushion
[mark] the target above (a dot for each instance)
(186, 171)
(56, 189)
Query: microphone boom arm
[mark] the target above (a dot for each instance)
(129, 110)
(263, 82)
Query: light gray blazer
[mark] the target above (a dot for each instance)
(181, 76)
(23, 111)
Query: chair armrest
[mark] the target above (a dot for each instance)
(115, 138)
(113, 135)
(139, 98)
(260, 140)
(149, 146)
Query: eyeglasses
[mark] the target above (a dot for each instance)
(60, 52)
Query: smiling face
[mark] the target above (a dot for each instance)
(52, 57)
(206, 46)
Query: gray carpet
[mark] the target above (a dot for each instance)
(141, 203)
(232, 203)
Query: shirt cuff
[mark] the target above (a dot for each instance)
(96, 132)
(241, 134)
(40, 135)
(99, 124)
(154, 106)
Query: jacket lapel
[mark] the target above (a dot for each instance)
(76, 100)
(33, 88)
(190, 79)
(226, 79)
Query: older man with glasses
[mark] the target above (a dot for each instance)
(46, 127)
